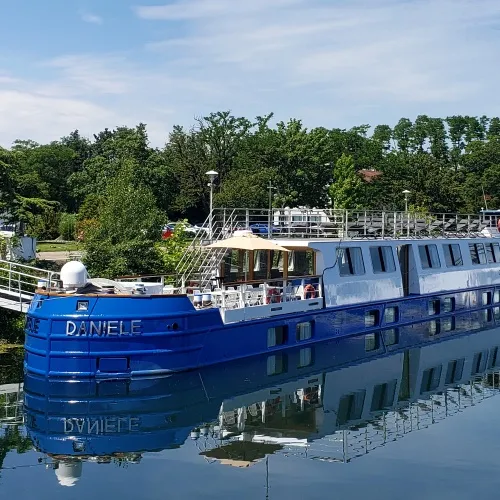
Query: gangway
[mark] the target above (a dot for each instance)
(18, 283)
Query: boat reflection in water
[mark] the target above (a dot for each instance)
(332, 401)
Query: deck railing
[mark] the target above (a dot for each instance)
(329, 223)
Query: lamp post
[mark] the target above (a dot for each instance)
(406, 193)
(212, 175)
(269, 220)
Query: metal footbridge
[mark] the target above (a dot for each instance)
(18, 283)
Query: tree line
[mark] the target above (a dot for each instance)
(115, 190)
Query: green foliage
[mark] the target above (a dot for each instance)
(346, 191)
(123, 240)
(173, 248)
(67, 226)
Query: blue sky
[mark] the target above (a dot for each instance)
(91, 64)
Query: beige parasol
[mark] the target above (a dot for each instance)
(248, 241)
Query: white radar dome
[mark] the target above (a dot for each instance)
(68, 474)
(74, 274)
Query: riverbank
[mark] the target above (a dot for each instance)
(6, 347)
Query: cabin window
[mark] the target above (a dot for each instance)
(493, 252)
(276, 336)
(434, 327)
(372, 342)
(453, 255)
(434, 307)
(303, 331)
(350, 407)
(487, 315)
(448, 324)
(382, 259)
(429, 256)
(448, 305)
(477, 253)
(454, 371)
(486, 298)
(431, 379)
(305, 357)
(276, 364)
(496, 296)
(391, 314)
(479, 362)
(383, 396)
(391, 336)
(371, 318)
(493, 358)
(350, 261)
(496, 313)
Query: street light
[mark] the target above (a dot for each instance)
(212, 175)
(406, 193)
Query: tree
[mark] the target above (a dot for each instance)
(346, 191)
(124, 240)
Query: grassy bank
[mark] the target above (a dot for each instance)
(54, 246)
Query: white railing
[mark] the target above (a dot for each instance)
(257, 293)
(11, 404)
(329, 223)
(18, 283)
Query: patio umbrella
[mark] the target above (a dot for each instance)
(248, 242)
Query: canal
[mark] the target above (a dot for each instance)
(417, 423)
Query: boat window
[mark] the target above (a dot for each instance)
(431, 379)
(350, 261)
(391, 336)
(303, 331)
(434, 307)
(493, 252)
(429, 256)
(276, 364)
(371, 342)
(477, 253)
(453, 255)
(496, 296)
(305, 357)
(371, 318)
(479, 362)
(493, 358)
(390, 314)
(496, 313)
(486, 298)
(448, 305)
(487, 315)
(434, 327)
(382, 259)
(350, 407)
(383, 396)
(448, 324)
(276, 336)
(454, 371)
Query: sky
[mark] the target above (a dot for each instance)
(92, 64)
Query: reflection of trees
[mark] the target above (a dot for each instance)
(11, 366)
(13, 439)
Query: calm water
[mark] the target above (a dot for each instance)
(421, 423)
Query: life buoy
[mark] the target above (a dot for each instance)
(309, 291)
(273, 296)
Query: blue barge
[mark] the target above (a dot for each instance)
(255, 295)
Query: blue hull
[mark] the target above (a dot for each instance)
(115, 337)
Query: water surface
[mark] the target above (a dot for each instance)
(420, 423)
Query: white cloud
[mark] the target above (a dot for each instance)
(334, 63)
(88, 17)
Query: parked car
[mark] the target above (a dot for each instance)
(260, 228)
(189, 229)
